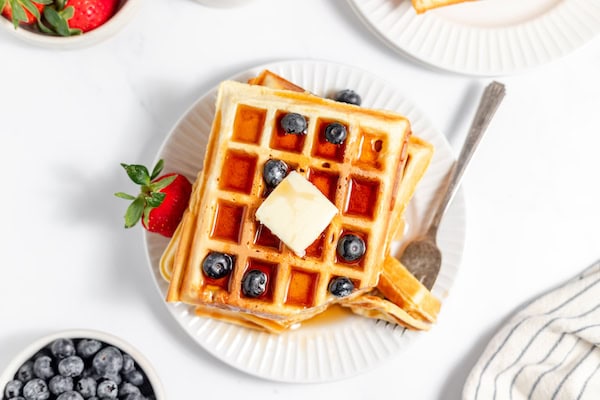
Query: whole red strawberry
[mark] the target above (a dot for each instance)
(161, 202)
(90, 14)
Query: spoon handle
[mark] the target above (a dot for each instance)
(490, 100)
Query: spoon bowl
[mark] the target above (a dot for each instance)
(424, 258)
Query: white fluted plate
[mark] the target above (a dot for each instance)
(485, 37)
(337, 345)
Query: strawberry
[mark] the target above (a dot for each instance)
(73, 17)
(23, 11)
(161, 202)
(90, 14)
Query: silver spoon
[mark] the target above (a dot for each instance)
(422, 256)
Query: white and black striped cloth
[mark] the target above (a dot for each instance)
(549, 350)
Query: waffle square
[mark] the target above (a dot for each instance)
(360, 177)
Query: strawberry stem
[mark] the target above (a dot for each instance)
(150, 195)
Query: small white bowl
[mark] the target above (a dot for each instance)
(109, 29)
(29, 351)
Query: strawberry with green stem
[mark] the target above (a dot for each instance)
(73, 17)
(161, 202)
(23, 11)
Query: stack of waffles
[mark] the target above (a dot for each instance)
(369, 178)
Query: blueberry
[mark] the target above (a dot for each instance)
(108, 361)
(86, 386)
(62, 348)
(128, 363)
(341, 286)
(294, 123)
(135, 377)
(25, 372)
(36, 389)
(116, 378)
(335, 133)
(217, 265)
(274, 172)
(107, 390)
(71, 366)
(348, 96)
(88, 347)
(254, 283)
(128, 388)
(60, 384)
(70, 396)
(42, 367)
(13, 389)
(351, 247)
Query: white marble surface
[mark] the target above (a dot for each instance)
(70, 117)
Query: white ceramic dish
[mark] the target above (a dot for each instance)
(109, 29)
(13, 366)
(336, 346)
(487, 37)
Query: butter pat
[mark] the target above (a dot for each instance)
(296, 212)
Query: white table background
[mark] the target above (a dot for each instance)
(70, 117)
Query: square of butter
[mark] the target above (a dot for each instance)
(296, 212)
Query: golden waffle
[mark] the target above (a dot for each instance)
(397, 291)
(425, 5)
(373, 305)
(360, 177)
(397, 287)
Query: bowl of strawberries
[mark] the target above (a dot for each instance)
(65, 23)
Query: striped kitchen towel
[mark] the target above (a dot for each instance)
(549, 350)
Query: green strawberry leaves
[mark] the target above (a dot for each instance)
(28, 4)
(18, 12)
(55, 15)
(125, 196)
(137, 173)
(134, 212)
(18, 8)
(58, 19)
(150, 196)
(163, 183)
(155, 199)
(157, 169)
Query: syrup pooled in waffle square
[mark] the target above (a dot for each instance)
(359, 176)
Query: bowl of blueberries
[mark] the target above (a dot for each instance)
(80, 365)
